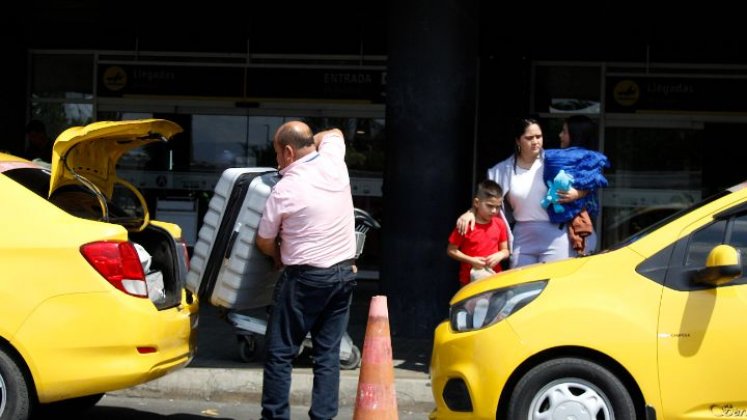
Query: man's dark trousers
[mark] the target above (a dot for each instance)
(307, 299)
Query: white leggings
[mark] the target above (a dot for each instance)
(539, 242)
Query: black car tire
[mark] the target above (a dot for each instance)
(14, 390)
(580, 389)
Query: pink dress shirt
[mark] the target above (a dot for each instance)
(311, 208)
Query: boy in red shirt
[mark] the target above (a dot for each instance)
(485, 246)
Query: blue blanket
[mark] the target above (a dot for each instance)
(586, 167)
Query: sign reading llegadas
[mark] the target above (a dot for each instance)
(685, 94)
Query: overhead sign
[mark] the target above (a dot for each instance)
(122, 80)
(640, 93)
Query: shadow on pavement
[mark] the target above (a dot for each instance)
(218, 341)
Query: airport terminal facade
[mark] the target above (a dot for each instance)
(425, 113)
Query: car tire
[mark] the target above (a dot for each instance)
(15, 393)
(570, 388)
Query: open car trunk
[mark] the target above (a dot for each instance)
(84, 183)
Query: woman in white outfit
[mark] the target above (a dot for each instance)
(533, 237)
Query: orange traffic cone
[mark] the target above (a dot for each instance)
(376, 397)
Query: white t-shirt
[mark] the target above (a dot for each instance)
(525, 193)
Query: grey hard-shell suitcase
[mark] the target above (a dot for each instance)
(227, 269)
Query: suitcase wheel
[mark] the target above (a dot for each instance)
(247, 347)
(353, 361)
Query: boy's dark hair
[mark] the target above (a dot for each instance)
(487, 189)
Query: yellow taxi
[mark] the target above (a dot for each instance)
(92, 291)
(653, 328)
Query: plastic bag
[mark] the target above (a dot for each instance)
(479, 273)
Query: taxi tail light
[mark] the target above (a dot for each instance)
(119, 264)
(181, 246)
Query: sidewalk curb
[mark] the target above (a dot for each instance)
(233, 385)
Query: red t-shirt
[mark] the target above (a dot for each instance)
(483, 240)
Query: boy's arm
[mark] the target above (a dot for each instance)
(454, 252)
(499, 256)
(504, 250)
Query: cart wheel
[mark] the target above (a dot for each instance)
(247, 347)
(353, 361)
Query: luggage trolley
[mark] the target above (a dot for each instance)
(248, 327)
(228, 271)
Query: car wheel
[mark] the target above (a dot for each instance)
(247, 347)
(353, 361)
(14, 390)
(570, 388)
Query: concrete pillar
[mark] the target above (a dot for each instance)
(13, 92)
(430, 117)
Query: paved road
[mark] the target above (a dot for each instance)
(217, 372)
(127, 408)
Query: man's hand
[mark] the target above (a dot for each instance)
(271, 248)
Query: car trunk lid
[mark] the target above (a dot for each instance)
(88, 156)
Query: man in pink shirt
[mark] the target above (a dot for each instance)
(308, 228)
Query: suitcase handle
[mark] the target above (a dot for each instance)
(231, 241)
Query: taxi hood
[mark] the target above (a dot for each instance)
(89, 154)
(525, 274)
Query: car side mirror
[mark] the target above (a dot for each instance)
(724, 264)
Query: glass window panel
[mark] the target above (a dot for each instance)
(261, 131)
(76, 82)
(128, 116)
(60, 116)
(654, 172)
(364, 139)
(703, 241)
(738, 240)
(122, 116)
(575, 89)
(219, 142)
(223, 141)
(739, 235)
(138, 158)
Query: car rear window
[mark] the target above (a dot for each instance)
(35, 179)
